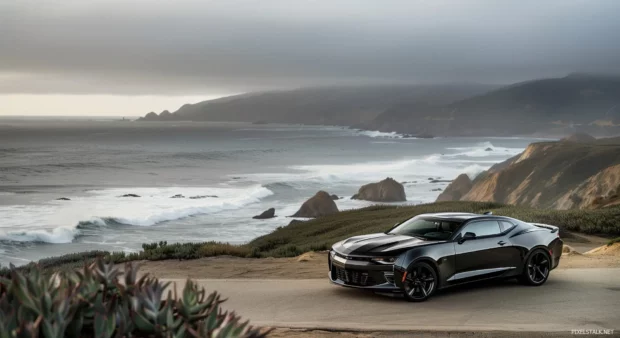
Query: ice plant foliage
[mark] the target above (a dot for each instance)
(101, 301)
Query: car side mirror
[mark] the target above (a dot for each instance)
(468, 235)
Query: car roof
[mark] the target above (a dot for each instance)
(460, 216)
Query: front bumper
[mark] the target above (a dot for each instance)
(361, 274)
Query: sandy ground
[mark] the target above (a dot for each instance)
(308, 266)
(314, 265)
(491, 309)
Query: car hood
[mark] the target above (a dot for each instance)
(379, 244)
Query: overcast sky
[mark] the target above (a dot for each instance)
(108, 53)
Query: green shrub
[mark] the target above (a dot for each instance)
(613, 241)
(94, 303)
(210, 249)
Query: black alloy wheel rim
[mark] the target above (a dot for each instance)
(419, 282)
(538, 268)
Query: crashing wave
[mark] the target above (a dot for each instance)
(104, 208)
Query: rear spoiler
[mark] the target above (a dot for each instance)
(553, 228)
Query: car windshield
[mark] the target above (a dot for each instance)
(426, 228)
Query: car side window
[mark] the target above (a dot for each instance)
(483, 228)
(505, 225)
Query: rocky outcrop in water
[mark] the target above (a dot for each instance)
(318, 205)
(387, 190)
(335, 197)
(269, 213)
(130, 195)
(63, 199)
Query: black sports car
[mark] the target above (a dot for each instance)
(434, 251)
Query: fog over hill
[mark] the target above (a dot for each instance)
(342, 105)
(556, 106)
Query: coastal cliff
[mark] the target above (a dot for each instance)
(558, 175)
(588, 103)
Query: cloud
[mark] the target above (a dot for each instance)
(184, 47)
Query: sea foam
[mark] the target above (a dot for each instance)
(61, 221)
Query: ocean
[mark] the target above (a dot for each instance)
(62, 180)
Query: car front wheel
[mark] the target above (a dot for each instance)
(420, 282)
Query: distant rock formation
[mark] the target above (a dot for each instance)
(63, 199)
(130, 195)
(163, 116)
(318, 205)
(489, 149)
(579, 138)
(177, 196)
(152, 116)
(335, 197)
(387, 190)
(269, 213)
(457, 189)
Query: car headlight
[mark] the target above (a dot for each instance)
(332, 253)
(383, 260)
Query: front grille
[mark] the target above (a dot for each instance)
(355, 277)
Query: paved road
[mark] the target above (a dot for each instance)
(571, 299)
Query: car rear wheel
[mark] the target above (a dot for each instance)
(536, 269)
(420, 282)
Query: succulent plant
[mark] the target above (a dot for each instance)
(97, 302)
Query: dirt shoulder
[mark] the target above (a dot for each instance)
(307, 266)
(310, 266)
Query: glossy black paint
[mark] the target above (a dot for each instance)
(456, 260)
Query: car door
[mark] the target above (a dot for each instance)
(487, 255)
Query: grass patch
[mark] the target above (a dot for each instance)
(613, 241)
(319, 234)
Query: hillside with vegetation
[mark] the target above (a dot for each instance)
(578, 102)
(346, 106)
(556, 106)
(578, 172)
(321, 233)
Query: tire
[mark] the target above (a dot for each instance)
(537, 268)
(420, 283)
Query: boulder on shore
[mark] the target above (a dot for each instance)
(269, 213)
(318, 205)
(457, 189)
(387, 190)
